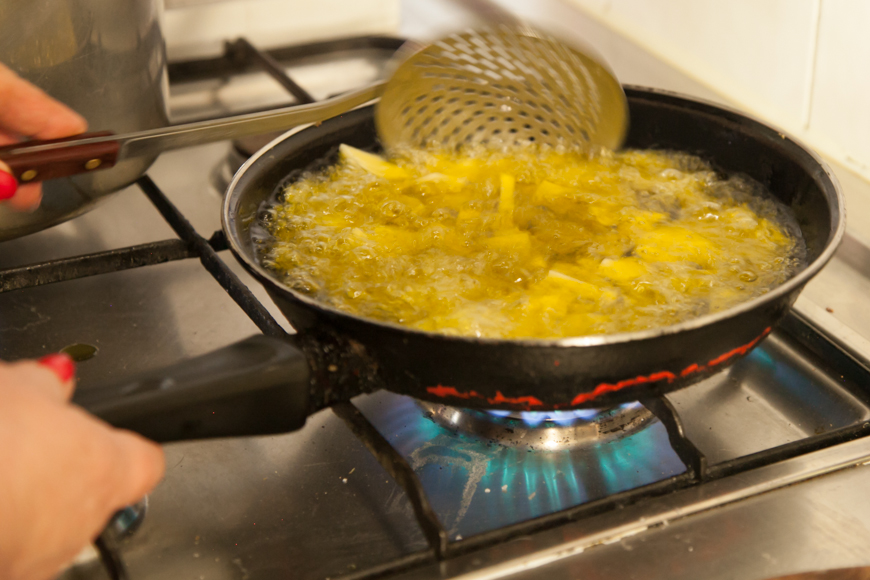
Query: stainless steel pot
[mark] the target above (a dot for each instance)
(103, 58)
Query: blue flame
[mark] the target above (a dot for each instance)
(535, 418)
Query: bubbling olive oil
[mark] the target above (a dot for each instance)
(530, 243)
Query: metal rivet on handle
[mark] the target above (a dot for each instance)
(93, 164)
(29, 175)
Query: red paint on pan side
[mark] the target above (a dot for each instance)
(693, 368)
(739, 350)
(442, 391)
(608, 388)
(529, 402)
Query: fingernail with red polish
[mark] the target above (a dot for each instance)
(62, 365)
(8, 185)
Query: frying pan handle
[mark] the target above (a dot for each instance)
(259, 386)
(33, 166)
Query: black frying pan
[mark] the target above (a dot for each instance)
(267, 385)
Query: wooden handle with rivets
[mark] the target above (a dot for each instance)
(33, 161)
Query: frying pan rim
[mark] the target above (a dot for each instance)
(229, 216)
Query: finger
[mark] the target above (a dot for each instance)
(53, 378)
(7, 139)
(26, 198)
(8, 183)
(140, 467)
(62, 365)
(19, 198)
(27, 111)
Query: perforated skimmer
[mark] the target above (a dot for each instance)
(502, 85)
(495, 86)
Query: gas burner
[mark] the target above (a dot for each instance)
(542, 430)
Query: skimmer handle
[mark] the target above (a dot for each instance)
(33, 161)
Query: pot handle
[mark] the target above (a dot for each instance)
(34, 161)
(258, 386)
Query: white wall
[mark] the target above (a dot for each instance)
(197, 28)
(841, 91)
(802, 64)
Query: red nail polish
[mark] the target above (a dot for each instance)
(62, 365)
(8, 185)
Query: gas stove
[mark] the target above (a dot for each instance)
(755, 472)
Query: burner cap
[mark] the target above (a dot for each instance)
(552, 430)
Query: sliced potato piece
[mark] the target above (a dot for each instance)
(549, 191)
(512, 240)
(583, 289)
(622, 270)
(372, 163)
(506, 196)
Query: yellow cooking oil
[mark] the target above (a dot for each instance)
(530, 243)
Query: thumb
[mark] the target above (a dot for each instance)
(26, 110)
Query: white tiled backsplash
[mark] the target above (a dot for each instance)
(197, 28)
(802, 64)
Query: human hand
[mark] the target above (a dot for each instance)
(63, 473)
(26, 111)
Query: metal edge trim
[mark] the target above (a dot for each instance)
(837, 332)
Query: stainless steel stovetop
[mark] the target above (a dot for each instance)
(780, 432)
